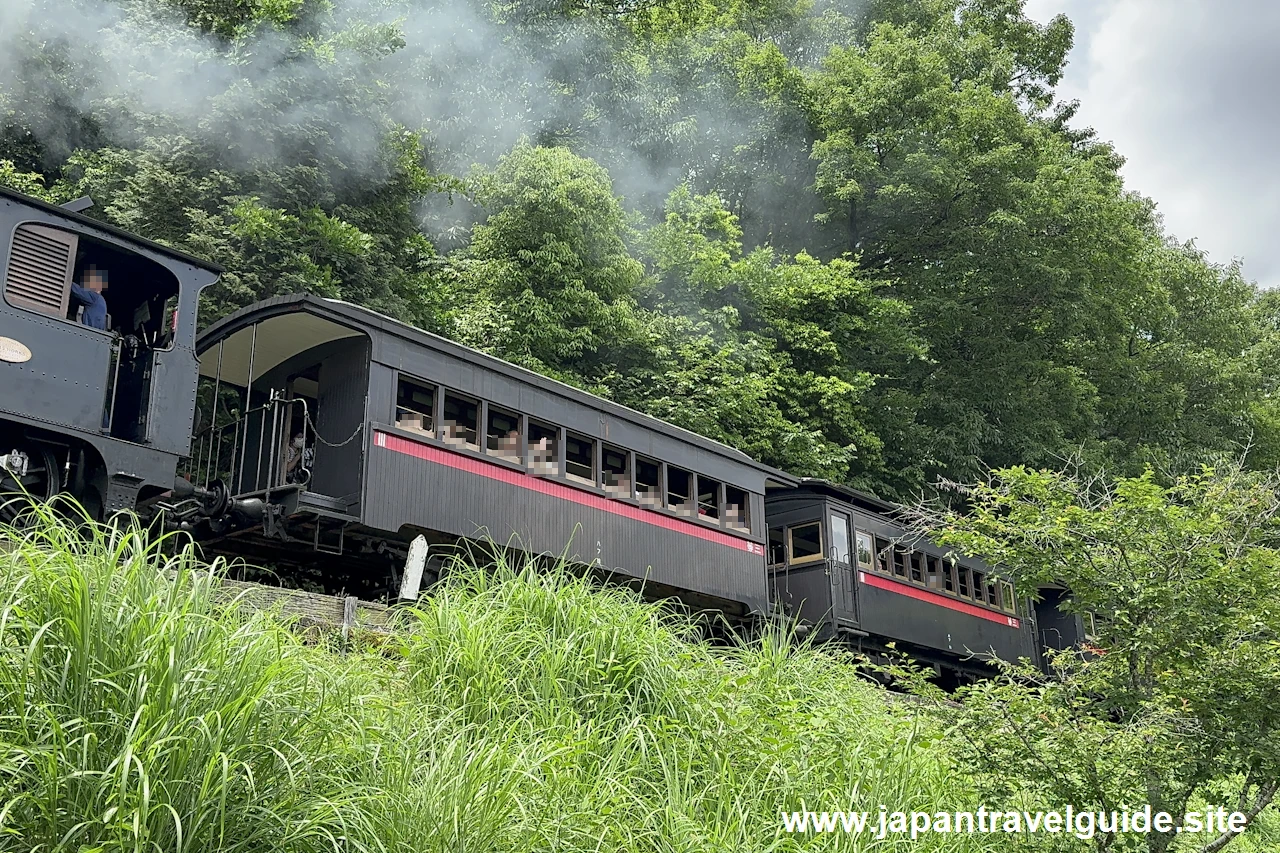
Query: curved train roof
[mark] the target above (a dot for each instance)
(363, 318)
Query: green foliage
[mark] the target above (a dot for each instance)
(859, 240)
(515, 710)
(1177, 704)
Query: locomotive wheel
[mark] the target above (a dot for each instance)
(40, 483)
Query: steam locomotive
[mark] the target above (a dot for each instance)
(313, 433)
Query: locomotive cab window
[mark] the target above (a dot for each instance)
(415, 406)
(460, 421)
(502, 434)
(735, 509)
(580, 458)
(648, 482)
(543, 440)
(805, 542)
(91, 283)
(615, 471)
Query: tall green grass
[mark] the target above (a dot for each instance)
(514, 710)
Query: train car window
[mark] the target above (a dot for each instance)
(1006, 597)
(917, 567)
(864, 551)
(806, 542)
(883, 550)
(899, 561)
(963, 574)
(979, 586)
(777, 547)
(708, 498)
(735, 508)
(615, 471)
(502, 434)
(41, 262)
(993, 594)
(543, 458)
(949, 577)
(580, 458)
(460, 422)
(680, 492)
(415, 405)
(648, 482)
(839, 538)
(932, 572)
(1090, 625)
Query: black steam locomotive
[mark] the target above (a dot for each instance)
(313, 432)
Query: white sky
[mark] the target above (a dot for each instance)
(1187, 92)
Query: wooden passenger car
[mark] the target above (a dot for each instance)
(840, 562)
(404, 432)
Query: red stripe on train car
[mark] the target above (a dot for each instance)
(483, 468)
(939, 599)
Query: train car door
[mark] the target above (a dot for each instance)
(843, 582)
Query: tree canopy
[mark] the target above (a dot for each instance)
(861, 240)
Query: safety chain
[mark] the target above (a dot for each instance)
(319, 438)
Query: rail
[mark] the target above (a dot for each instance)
(274, 439)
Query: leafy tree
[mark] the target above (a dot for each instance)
(1177, 707)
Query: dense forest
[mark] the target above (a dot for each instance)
(860, 239)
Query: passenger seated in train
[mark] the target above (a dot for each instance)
(298, 460)
(87, 295)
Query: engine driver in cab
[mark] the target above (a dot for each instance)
(88, 294)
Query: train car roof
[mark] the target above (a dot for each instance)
(355, 316)
(129, 236)
(848, 494)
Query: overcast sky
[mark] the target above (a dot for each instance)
(1187, 91)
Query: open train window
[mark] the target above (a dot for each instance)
(735, 508)
(1007, 601)
(543, 458)
(883, 556)
(805, 542)
(963, 584)
(580, 458)
(864, 551)
(899, 561)
(680, 492)
(932, 572)
(502, 434)
(460, 422)
(917, 567)
(777, 547)
(648, 482)
(615, 471)
(415, 406)
(708, 498)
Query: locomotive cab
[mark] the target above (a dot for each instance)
(97, 369)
